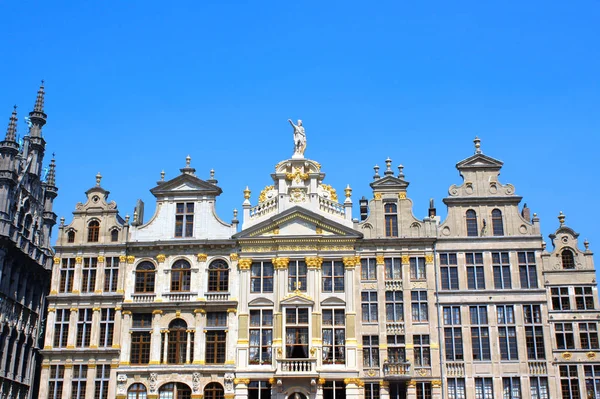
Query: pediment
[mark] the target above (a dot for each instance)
(298, 222)
(480, 161)
(333, 301)
(186, 183)
(297, 299)
(261, 302)
(389, 182)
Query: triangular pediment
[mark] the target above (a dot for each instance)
(479, 161)
(298, 222)
(297, 299)
(389, 182)
(186, 183)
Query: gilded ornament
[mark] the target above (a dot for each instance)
(280, 263)
(78, 260)
(314, 262)
(348, 191)
(319, 230)
(429, 258)
(377, 196)
(247, 193)
(202, 257)
(201, 311)
(178, 313)
(244, 263)
(332, 193)
(232, 310)
(384, 384)
(297, 175)
(412, 383)
(272, 381)
(128, 312)
(380, 260)
(591, 355)
(130, 259)
(100, 259)
(157, 311)
(567, 355)
(263, 194)
(234, 257)
(436, 383)
(245, 381)
(122, 258)
(321, 381)
(402, 195)
(349, 262)
(405, 259)
(313, 351)
(276, 231)
(57, 261)
(161, 258)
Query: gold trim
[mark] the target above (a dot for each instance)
(78, 260)
(313, 262)
(130, 259)
(57, 261)
(429, 259)
(100, 259)
(234, 257)
(122, 258)
(402, 195)
(244, 263)
(201, 257)
(157, 311)
(232, 310)
(161, 258)
(377, 196)
(280, 263)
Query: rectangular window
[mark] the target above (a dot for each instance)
(453, 343)
(107, 327)
(584, 298)
(261, 336)
(394, 306)
(588, 335)
(184, 219)
(333, 276)
(88, 277)
(368, 269)
(475, 275)
(372, 390)
(539, 387)
(79, 381)
(396, 348)
(419, 306)
(215, 346)
(55, 382)
(140, 347)
(102, 379)
(560, 298)
(527, 270)
(511, 388)
(501, 266)
(393, 268)
(484, 388)
(422, 350)
(297, 275)
(449, 271)
(334, 390)
(369, 306)
(216, 319)
(334, 336)
(370, 351)
(423, 390)
(507, 332)
(61, 328)
(261, 277)
(142, 320)
(259, 390)
(456, 388)
(480, 333)
(592, 381)
(534, 332)
(417, 268)
(84, 328)
(111, 273)
(569, 383)
(296, 335)
(564, 335)
(67, 271)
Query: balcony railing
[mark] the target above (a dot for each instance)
(217, 296)
(538, 368)
(397, 370)
(296, 366)
(394, 327)
(393, 285)
(455, 369)
(143, 298)
(179, 296)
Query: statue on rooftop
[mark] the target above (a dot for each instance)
(299, 139)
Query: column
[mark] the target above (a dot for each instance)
(198, 348)
(353, 388)
(72, 338)
(77, 275)
(166, 345)
(384, 390)
(436, 388)
(156, 338)
(188, 346)
(67, 381)
(351, 337)
(99, 275)
(241, 387)
(49, 335)
(231, 335)
(90, 385)
(44, 376)
(125, 332)
(121, 277)
(117, 330)
(95, 336)
(411, 389)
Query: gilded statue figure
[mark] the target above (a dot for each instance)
(299, 139)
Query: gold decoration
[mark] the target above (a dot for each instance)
(377, 196)
(244, 263)
(313, 262)
(232, 310)
(436, 383)
(332, 193)
(405, 259)
(245, 381)
(202, 257)
(434, 345)
(51, 310)
(201, 311)
(78, 260)
(402, 195)
(591, 355)
(280, 263)
(272, 381)
(318, 230)
(356, 381)
(130, 259)
(262, 197)
(100, 259)
(297, 175)
(74, 310)
(95, 309)
(247, 193)
(276, 231)
(429, 258)
(313, 351)
(348, 191)
(371, 373)
(122, 258)
(384, 384)
(412, 383)
(178, 313)
(234, 257)
(57, 261)
(567, 355)
(349, 262)
(157, 311)
(53, 292)
(127, 312)
(380, 260)
(161, 258)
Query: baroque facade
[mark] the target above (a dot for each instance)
(303, 300)
(26, 220)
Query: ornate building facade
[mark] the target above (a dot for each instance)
(26, 220)
(306, 301)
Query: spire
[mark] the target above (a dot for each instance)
(11, 132)
(37, 117)
(39, 101)
(51, 178)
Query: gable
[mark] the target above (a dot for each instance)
(389, 182)
(480, 161)
(186, 183)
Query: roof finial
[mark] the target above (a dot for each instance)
(39, 101)
(477, 145)
(401, 171)
(388, 167)
(11, 132)
(247, 193)
(561, 218)
(51, 177)
(348, 191)
(212, 179)
(188, 160)
(162, 175)
(376, 175)
(586, 244)
(98, 178)
(212, 173)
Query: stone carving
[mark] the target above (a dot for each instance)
(299, 139)
(121, 381)
(153, 382)
(228, 379)
(196, 382)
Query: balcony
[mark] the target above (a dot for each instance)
(143, 298)
(538, 368)
(394, 327)
(302, 367)
(179, 296)
(217, 296)
(393, 285)
(455, 369)
(397, 370)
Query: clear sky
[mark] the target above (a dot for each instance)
(135, 86)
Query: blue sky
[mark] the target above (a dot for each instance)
(135, 86)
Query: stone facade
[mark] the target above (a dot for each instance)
(307, 301)
(26, 220)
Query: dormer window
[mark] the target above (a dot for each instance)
(114, 235)
(497, 225)
(568, 260)
(184, 219)
(471, 223)
(390, 211)
(71, 237)
(93, 231)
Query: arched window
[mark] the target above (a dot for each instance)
(114, 235)
(144, 277)
(177, 345)
(214, 390)
(175, 390)
(27, 225)
(137, 391)
(568, 260)
(93, 231)
(471, 223)
(390, 211)
(497, 224)
(71, 236)
(180, 276)
(218, 276)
